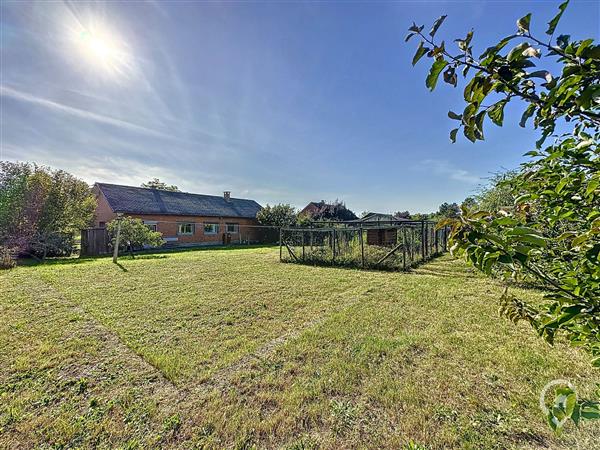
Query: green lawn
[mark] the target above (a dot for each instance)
(230, 348)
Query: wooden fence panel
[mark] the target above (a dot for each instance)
(94, 242)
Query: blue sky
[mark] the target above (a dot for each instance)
(279, 102)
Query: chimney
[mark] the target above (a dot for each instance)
(227, 196)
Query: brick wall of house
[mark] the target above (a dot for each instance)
(168, 226)
(104, 213)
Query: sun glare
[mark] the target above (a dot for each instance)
(102, 50)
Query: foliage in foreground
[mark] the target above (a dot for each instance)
(551, 232)
(134, 234)
(41, 210)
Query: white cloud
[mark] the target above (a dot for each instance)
(446, 168)
(6, 91)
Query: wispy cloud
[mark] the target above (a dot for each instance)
(446, 168)
(6, 91)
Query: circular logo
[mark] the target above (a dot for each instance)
(543, 394)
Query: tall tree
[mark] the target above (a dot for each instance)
(448, 211)
(155, 183)
(550, 234)
(281, 215)
(41, 210)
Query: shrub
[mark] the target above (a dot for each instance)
(134, 234)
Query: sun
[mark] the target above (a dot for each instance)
(102, 50)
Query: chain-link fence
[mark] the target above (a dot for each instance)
(397, 246)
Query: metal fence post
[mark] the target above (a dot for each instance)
(333, 243)
(423, 240)
(404, 248)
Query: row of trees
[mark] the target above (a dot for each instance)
(541, 223)
(41, 210)
(285, 215)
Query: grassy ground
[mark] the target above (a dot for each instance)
(230, 348)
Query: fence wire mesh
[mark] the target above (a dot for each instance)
(393, 247)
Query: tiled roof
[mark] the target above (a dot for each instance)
(137, 200)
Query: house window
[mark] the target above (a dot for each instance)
(151, 226)
(233, 227)
(185, 229)
(102, 224)
(211, 228)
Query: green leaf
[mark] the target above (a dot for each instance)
(592, 186)
(590, 412)
(421, 50)
(408, 36)
(517, 51)
(576, 414)
(479, 124)
(453, 135)
(454, 116)
(450, 76)
(527, 114)
(523, 23)
(436, 25)
(434, 73)
(563, 41)
(532, 239)
(554, 22)
(516, 231)
(496, 112)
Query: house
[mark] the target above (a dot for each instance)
(182, 218)
(336, 211)
(312, 208)
(379, 228)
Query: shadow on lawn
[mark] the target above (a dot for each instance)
(143, 254)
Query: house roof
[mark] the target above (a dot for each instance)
(138, 200)
(374, 216)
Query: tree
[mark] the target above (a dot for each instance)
(498, 194)
(422, 216)
(448, 211)
(134, 234)
(155, 183)
(550, 234)
(402, 215)
(469, 203)
(42, 209)
(335, 211)
(281, 215)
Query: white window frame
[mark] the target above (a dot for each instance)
(192, 227)
(151, 224)
(236, 228)
(214, 225)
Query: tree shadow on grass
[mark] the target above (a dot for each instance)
(144, 254)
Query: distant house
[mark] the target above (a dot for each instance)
(335, 211)
(181, 217)
(313, 208)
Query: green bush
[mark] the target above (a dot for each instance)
(135, 235)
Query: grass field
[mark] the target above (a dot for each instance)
(230, 348)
